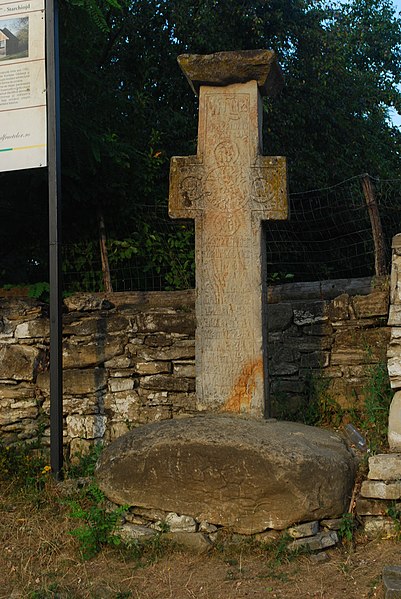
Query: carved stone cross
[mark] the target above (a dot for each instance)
(229, 188)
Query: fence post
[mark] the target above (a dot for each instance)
(103, 254)
(375, 223)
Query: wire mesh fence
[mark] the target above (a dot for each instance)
(328, 236)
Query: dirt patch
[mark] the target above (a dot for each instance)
(40, 559)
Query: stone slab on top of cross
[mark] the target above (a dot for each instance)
(230, 188)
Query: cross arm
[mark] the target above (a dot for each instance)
(186, 189)
(269, 188)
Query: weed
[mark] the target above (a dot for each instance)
(51, 592)
(347, 527)
(84, 463)
(98, 524)
(394, 511)
(24, 466)
(374, 417)
(321, 408)
(146, 551)
(371, 416)
(40, 291)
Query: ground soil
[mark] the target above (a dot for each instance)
(39, 559)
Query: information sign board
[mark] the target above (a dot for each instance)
(22, 85)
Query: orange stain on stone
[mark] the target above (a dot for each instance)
(241, 397)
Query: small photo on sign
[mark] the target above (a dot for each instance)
(14, 38)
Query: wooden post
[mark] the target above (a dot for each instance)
(375, 222)
(103, 253)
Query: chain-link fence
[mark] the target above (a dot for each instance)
(328, 236)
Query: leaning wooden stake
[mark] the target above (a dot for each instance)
(104, 256)
(375, 222)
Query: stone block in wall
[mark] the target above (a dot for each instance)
(374, 304)
(159, 340)
(86, 427)
(372, 507)
(16, 411)
(83, 355)
(279, 317)
(394, 347)
(331, 372)
(181, 350)
(307, 313)
(153, 398)
(166, 321)
(158, 367)
(185, 369)
(13, 392)
(101, 325)
(315, 359)
(87, 302)
(394, 317)
(76, 381)
(123, 405)
(85, 405)
(381, 489)
(385, 466)
(318, 329)
(167, 383)
(344, 356)
(19, 362)
(121, 384)
(294, 385)
(394, 422)
(394, 371)
(360, 346)
(121, 373)
(339, 308)
(119, 362)
(182, 402)
(6, 331)
(379, 526)
(309, 343)
(19, 309)
(395, 289)
(33, 329)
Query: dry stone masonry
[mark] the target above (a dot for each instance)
(129, 358)
(394, 349)
(125, 363)
(229, 189)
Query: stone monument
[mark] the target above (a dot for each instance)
(246, 474)
(229, 188)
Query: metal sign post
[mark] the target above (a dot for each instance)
(54, 176)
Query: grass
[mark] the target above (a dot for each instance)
(40, 558)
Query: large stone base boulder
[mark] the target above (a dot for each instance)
(248, 475)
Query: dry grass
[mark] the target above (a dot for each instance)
(40, 560)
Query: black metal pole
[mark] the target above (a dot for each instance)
(54, 178)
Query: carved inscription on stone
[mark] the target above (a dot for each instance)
(229, 189)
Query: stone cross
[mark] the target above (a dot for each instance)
(229, 188)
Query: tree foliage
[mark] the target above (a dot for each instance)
(126, 109)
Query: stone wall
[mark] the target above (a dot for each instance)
(129, 357)
(325, 336)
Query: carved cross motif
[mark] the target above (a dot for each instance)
(229, 188)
